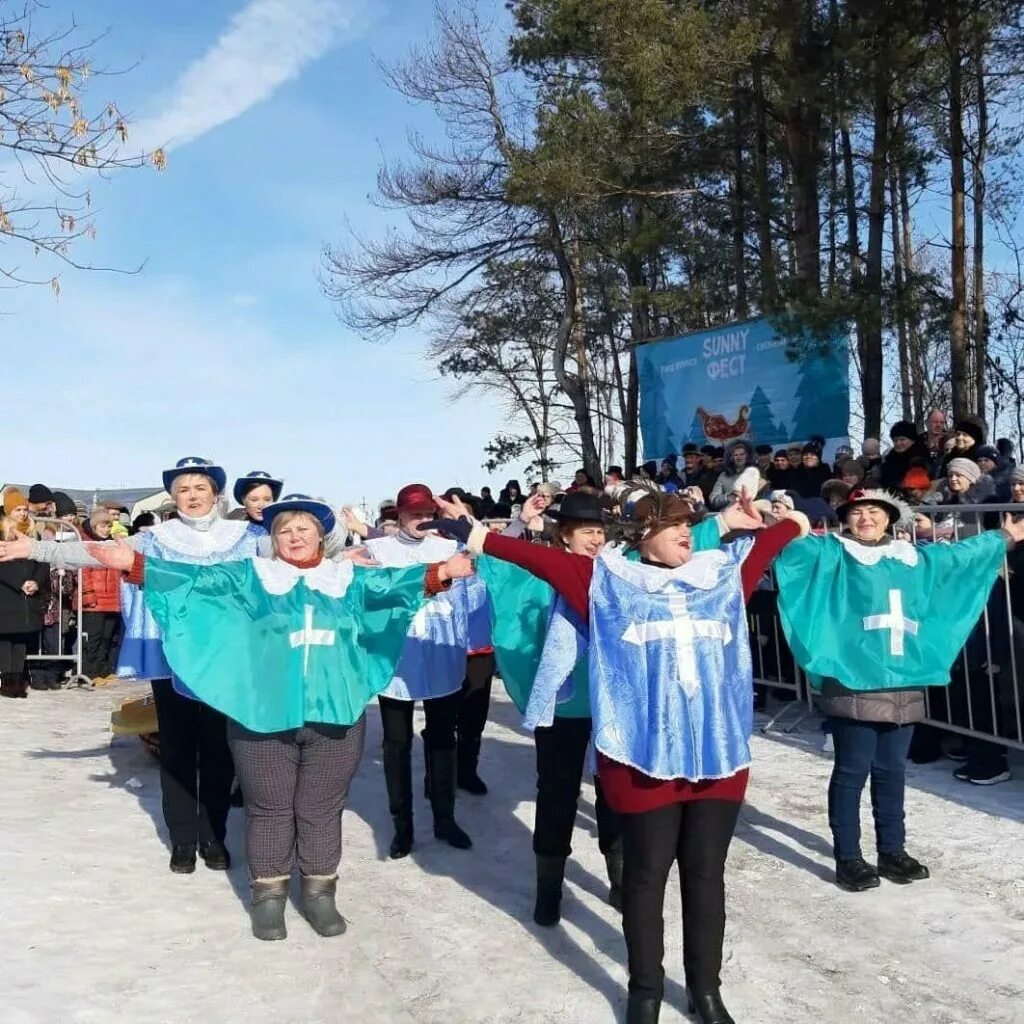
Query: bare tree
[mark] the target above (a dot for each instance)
(52, 140)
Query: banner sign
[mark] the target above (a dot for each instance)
(717, 386)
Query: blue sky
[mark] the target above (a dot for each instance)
(224, 346)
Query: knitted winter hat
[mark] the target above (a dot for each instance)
(987, 451)
(903, 429)
(39, 493)
(783, 498)
(965, 468)
(64, 505)
(1017, 476)
(916, 479)
(13, 498)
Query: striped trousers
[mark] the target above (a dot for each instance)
(295, 785)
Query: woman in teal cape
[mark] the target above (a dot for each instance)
(291, 649)
(873, 621)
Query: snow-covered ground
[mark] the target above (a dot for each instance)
(94, 928)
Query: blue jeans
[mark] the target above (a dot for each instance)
(862, 749)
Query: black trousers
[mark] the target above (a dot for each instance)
(99, 652)
(561, 752)
(196, 770)
(441, 713)
(476, 700)
(696, 836)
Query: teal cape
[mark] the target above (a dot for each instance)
(272, 661)
(520, 611)
(887, 617)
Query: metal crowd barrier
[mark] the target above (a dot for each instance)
(984, 700)
(76, 677)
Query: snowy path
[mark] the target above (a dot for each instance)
(95, 930)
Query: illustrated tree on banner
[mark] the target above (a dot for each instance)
(762, 424)
(783, 434)
(658, 439)
(815, 394)
(696, 434)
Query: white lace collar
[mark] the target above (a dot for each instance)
(329, 577)
(701, 571)
(871, 554)
(219, 535)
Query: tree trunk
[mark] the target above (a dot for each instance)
(979, 188)
(914, 340)
(833, 153)
(959, 364)
(903, 340)
(739, 205)
(802, 132)
(871, 356)
(763, 193)
(640, 331)
(571, 384)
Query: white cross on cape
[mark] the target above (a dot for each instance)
(443, 609)
(309, 637)
(895, 621)
(682, 629)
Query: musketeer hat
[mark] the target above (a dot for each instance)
(193, 464)
(316, 507)
(256, 478)
(580, 506)
(899, 510)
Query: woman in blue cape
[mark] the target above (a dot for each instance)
(195, 763)
(302, 644)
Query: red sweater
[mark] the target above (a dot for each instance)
(628, 790)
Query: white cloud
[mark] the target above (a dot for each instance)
(265, 44)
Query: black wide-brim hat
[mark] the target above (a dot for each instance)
(316, 507)
(580, 506)
(257, 478)
(196, 466)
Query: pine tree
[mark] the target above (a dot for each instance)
(823, 398)
(762, 427)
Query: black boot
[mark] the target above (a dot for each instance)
(398, 776)
(550, 873)
(856, 875)
(183, 858)
(613, 862)
(901, 868)
(426, 766)
(318, 906)
(215, 856)
(642, 1009)
(708, 1007)
(468, 761)
(442, 798)
(267, 913)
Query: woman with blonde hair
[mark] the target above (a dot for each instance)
(24, 591)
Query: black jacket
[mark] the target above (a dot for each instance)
(18, 613)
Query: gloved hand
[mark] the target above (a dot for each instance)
(456, 529)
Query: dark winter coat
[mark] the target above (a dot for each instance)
(896, 465)
(806, 481)
(18, 613)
